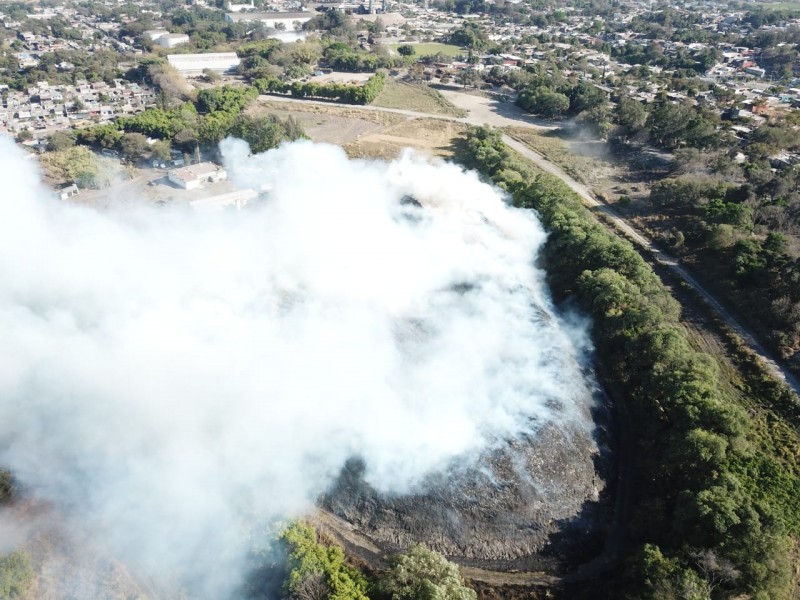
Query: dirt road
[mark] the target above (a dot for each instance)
(482, 111)
(661, 257)
(493, 112)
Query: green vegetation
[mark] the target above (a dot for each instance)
(6, 487)
(422, 574)
(16, 576)
(431, 48)
(316, 571)
(417, 97)
(344, 92)
(215, 114)
(81, 165)
(715, 494)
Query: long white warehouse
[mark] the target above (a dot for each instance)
(192, 65)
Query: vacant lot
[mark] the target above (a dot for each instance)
(365, 133)
(427, 48)
(429, 136)
(417, 97)
(331, 124)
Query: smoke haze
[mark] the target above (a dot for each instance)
(173, 380)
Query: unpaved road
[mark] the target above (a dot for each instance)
(489, 111)
(661, 257)
(482, 111)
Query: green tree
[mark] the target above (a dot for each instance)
(668, 124)
(60, 140)
(631, 117)
(543, 101)
(16, 575)
(134, 146)
(406, 50)
(422, 574)
(162, 149)
(316, 571)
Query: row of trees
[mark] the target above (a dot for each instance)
(713, 496)
(344, 92)
(317, 571)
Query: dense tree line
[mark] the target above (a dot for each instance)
(552, 95)
(714, 500)
(344, 92)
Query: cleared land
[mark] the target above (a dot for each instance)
(417, 97)
(426, 48)
(431, 136)
(373, 134)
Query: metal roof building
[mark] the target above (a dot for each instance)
(192, 65)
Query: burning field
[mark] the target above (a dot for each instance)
(376, 335)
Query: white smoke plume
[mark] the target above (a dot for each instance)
(172, 380)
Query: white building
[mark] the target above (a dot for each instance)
(239, 7)
(193, 176)
(237, 200)
(192, 65)
(171, 40)
(275, 20)
(154, 34)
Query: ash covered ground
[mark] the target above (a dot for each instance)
(537, 502)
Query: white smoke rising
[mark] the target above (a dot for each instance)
(173, 379)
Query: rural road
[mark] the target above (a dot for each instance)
(480, 111)
(486, 111)
(660, 257)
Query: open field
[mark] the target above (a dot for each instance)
(433, 137)
(365, 133)
(417, 97)
(426, 48)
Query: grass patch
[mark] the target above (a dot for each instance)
(371, 116)
(557, 152)
(427, 48)
(416, 97)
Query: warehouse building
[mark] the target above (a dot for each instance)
(288, 20)
(192, 65)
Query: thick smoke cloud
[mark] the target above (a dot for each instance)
(172, 380)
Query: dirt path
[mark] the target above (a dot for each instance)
(364, 549)
(660, 257)
(482, 111)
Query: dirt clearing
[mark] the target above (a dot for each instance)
(429, 136)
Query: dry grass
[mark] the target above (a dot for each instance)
(579, 167)
(371, 116)
(433, 137)
(416, 97)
